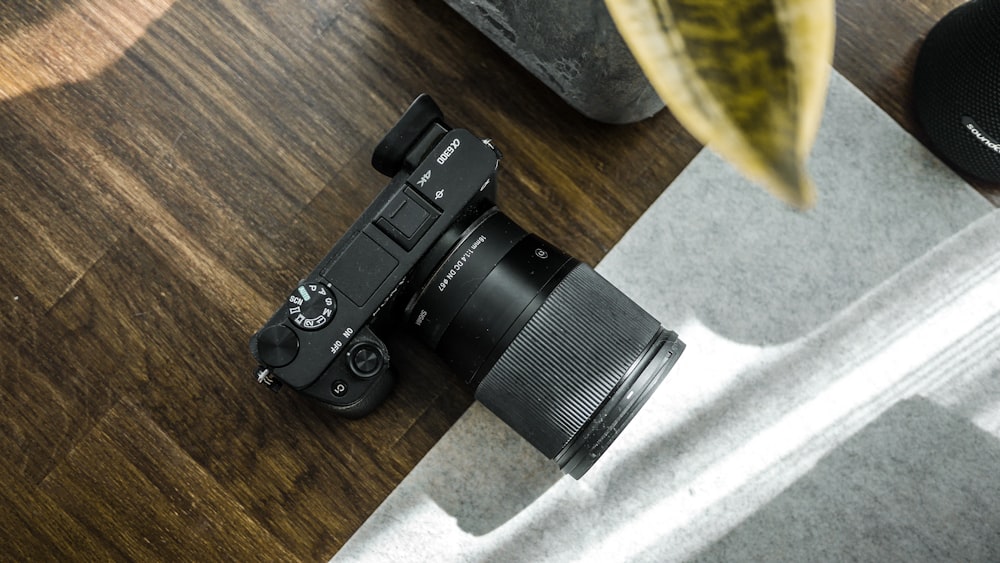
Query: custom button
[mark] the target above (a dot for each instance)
(339, 388)
(406, 218)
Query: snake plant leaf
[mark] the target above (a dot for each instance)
(748, 78)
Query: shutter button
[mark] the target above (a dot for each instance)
(365, 360)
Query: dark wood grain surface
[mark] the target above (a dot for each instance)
(168, 169)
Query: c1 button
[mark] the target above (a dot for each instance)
(339, 388)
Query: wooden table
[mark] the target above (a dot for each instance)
(168, 169)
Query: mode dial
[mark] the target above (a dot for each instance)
(311, 306)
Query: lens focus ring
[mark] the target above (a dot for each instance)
(567, 360)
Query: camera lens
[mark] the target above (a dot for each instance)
(551, 347)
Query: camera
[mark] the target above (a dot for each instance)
(551, 347)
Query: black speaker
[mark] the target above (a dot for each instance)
(957, 88)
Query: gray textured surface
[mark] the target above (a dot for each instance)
(802, 330)
(574, 48)
(893, 492)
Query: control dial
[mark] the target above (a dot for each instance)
(311, 306)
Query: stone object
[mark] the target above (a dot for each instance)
(574, 48)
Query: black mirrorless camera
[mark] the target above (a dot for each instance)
(550, 346)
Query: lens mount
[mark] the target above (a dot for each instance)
(459, 274)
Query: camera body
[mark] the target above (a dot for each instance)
(320, 340)
(550, 346)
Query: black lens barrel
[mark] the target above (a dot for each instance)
(577, 351)
(460, 274)
(505, 300)
(554, 350)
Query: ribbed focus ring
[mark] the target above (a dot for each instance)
(566, 360)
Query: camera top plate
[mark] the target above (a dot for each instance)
(371, 261)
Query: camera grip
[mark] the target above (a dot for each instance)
(361, 378)
(379, 388)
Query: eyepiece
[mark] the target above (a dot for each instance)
(391, 151)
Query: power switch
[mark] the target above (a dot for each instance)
(406, 218)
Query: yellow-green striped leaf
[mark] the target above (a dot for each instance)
(748, 78)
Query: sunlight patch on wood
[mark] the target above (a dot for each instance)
(74, 44)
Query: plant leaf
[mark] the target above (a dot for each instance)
(748, 78)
